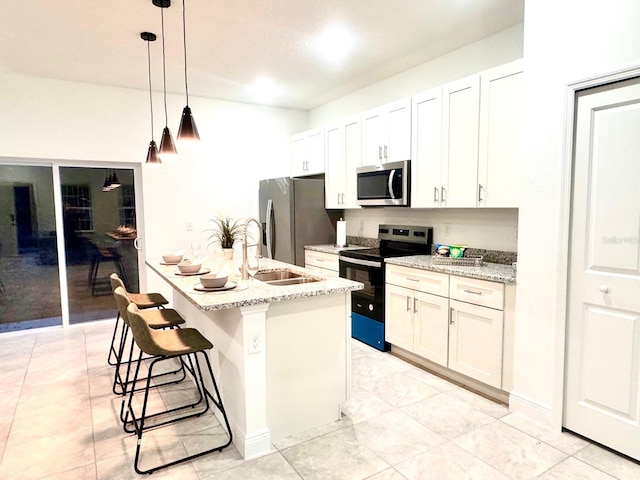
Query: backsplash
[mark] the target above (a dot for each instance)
(489, 256)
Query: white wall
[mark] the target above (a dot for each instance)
(564, 42)
(492, 229)
(489, 52)
(68, 121)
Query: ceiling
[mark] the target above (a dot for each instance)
(231, 43)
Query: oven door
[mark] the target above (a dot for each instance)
(367, 305)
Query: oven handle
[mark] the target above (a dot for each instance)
(390, 184)
(357, 261)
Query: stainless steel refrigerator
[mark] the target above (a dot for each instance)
(292, 215)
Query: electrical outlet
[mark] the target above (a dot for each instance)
(189, 226)
(254, 343)
(447, 229)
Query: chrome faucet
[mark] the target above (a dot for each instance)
(245, 274)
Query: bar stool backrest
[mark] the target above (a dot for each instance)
(116, 282)
(141, 332)
(122, 301)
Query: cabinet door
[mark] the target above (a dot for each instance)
(475, 342)
(461, 111)
(500, 131)
(372, 133)
(431, 327)
(396, 143)
(335, 181)
(298, 154)
(426, 157)
(315, 151)
(399, 316)
(352, 160)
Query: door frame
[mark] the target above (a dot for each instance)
(567, 172)
(58, 211)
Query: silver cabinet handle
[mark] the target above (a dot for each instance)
(412, 279)
(408, 303)
(451, 316)
(415, 305)
(443, 199)
(380, 152)
(385, 152)
(338, 195)
(436, 199)
(472, 292)
(480, 199)
(342, 198)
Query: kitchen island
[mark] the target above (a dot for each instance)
(281, 352)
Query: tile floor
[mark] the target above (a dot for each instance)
(58, 420)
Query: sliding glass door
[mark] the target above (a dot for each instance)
(71, 224)
(99, 217)
(29, 273)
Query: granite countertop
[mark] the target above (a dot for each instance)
(245, 293)
(494, 272)
(333, 249)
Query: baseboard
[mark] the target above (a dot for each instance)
(531, 408)
(250, 446)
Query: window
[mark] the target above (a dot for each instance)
(78, 209)
(127, 205)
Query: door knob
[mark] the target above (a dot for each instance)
(604, 288)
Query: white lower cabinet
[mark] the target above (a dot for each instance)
(321, 262)
(454, 321)
(475, 342)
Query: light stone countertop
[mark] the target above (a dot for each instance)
(489, 271)
(245, 293)
(333, 249)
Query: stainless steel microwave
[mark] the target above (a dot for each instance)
(386, 184)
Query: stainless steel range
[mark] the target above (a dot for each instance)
(367, 266)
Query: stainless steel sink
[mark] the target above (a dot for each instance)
(268, 276)
(284, 277)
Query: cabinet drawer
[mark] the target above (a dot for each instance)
(322, 271)
(417, 279)
(328, 261)
(478, 292)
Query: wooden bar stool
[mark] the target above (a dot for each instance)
(163, 345)
(155, 319)
(142, 300)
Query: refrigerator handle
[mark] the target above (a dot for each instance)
(269, 228)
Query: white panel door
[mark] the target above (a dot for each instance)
(334, 185)
(352, 160)
(397, 145)
(602, 386)
(372, 136)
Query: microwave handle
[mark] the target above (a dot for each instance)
(390, 184)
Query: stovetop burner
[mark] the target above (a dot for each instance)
(397, 241)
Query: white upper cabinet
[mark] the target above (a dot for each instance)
(386, 133)
(460, 131)
(343, 146)
(426, 156)
(500, 134)
(307, 153)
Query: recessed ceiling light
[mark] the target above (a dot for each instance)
(334, 44)
(265, 90)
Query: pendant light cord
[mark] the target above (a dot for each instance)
(150, 96)
(164, 71)
(184, 43)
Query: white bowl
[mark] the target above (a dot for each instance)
(187, 266)
(173, 259)
(212, 280)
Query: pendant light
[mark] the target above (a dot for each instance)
(106, 186)
(167, 151)
(152, 153)
(115, 182)
(188, 132)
